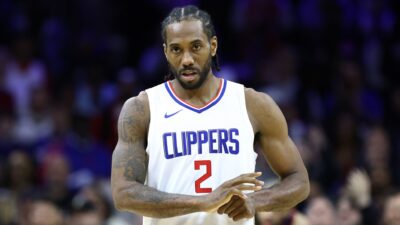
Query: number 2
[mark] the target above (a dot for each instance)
(197, 183)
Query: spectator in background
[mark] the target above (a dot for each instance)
(315, 149)
(290, 217)
(36, 125)
(355, 198)
(84, 213)
(7, 142)
(55, 174)
(377, 157)
(347, 144)
(348, 213)
(100, 195)
(44, 212)
(24, 73)
(21, 172)
(281, 80)
(353, 95)
(6, 98)
(19, 179)
(320, 211)
(391, 215)
(7, 111)
(8, 209)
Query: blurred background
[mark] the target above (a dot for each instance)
(67, 66)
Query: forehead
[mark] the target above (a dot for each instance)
(186, 30)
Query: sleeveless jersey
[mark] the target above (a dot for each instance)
(194, 150)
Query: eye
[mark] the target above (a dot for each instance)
(175, 50)
(196, 47)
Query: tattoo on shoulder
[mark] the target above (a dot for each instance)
(130, 124)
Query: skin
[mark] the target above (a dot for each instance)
(45, 213)
(279, 151)
(391, 214)
(187, 45)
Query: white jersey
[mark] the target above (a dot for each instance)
(193, 150)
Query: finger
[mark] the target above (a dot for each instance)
(238, 193)
(247, 180)
(254, 174)
(241, 215)
(226, 207)
(244, 178)
(247, 187)
(233, 199)
(230, 203)
(234, 205)
(222, 208)
(237, 211)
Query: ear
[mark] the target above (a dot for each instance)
(165, 50)
(214, 45)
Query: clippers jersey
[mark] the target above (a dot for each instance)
(194, 150)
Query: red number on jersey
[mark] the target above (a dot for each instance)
(197, 183)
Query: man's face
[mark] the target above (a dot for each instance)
(189, 52)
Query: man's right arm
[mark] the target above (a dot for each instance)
(129, 169)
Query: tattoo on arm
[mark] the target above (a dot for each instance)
(130, 155)
(130, 123)
(136, 167)
(130, 169)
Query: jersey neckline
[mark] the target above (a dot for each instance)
(209, 104)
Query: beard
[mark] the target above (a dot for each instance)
(203, 73)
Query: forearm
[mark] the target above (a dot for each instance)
(284, 195)
(147, 201)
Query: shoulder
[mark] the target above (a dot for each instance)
(139, 103)
(262, 110)
(136, 109)
(255, 98)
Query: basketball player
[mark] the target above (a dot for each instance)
(185, 150)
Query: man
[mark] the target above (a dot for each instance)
(321, 211)
(44, 212)
(185, 147)
(391, 212)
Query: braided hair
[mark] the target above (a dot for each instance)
(190, 12)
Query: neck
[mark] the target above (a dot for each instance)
(201, 95)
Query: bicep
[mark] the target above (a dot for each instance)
(129, 157)
(276, 145)
(281, 155)
(129, 162)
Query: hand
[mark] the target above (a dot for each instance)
(359, 187)
(238, 208)
(233, 187)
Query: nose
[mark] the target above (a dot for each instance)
(187, 59)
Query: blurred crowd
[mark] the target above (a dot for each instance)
(67, 66)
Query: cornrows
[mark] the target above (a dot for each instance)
(190, 12)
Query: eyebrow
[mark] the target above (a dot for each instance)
(192, 42)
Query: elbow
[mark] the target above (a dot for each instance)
(118, 202)
(305, 190)
(120, 197)
(302, 194)
(119, 205)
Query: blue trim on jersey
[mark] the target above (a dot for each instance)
(215, 101)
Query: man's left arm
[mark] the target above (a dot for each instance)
(282, 156)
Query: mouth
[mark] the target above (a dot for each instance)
(188, 72)
(189, 75)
